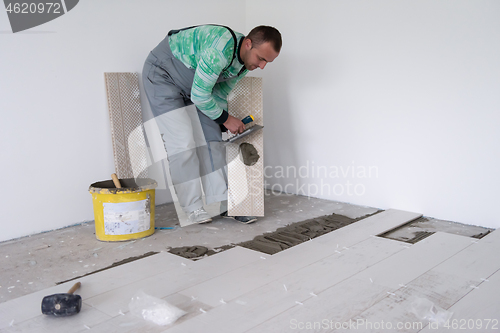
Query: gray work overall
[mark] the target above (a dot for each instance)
(192, 140)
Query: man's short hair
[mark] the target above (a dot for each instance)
(263, 34)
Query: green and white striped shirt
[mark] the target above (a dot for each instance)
(209, 50)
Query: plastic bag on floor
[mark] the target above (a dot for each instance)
(154, 309)
(427, 310)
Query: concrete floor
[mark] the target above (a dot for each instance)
(37, 262)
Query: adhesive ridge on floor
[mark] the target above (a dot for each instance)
(279, 240)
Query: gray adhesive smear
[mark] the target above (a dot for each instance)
(416, 230)
(281, 239)
(294, 234)
(115, 264)
(249, 154)
(196, 251)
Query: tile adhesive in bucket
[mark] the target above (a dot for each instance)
(124, 213)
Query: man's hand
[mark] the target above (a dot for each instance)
(234, 125)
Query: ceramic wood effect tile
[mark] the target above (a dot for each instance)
(348, 275)
(178, 277)
(87, 318)
(27, 307)
(246, 311)
(125, 114)
(368, 227)
(128, 323)
(321, 313)
(246, 183)
(478, 311)
(256, 274)
(441, 287)
(416, 260)
(379, 276)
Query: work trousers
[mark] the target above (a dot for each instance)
(196, 155)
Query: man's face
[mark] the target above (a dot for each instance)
(258, 56)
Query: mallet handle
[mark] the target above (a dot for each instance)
(116, 181)
(74, 288)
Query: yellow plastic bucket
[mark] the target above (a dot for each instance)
(124, 213)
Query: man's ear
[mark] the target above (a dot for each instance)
(248, 43)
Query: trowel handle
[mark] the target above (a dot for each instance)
(74, 288)
(247, 119)
(116, 181)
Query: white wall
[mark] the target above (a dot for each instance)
(55, 137)
(409, 88)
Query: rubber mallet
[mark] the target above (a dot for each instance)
(61, 305)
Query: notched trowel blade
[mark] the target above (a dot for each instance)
(243, 134)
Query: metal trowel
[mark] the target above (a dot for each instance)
(246, 132)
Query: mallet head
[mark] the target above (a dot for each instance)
(61, 305)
